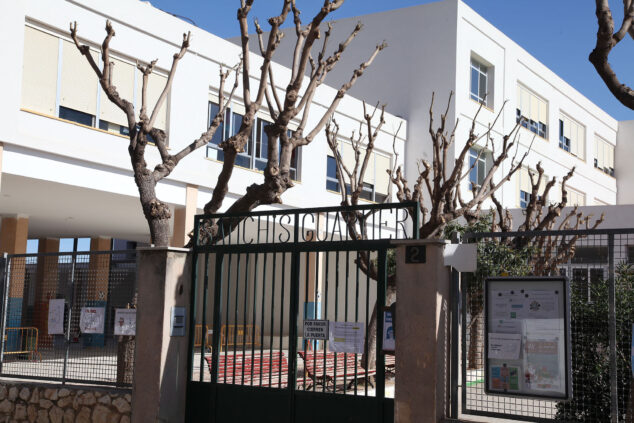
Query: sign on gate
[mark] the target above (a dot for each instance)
(389, 338)
(316, 329)
(527, 346)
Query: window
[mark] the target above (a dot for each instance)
(478, 166)
(114, 128)
(480, 91)
(532, 112)
(525, 186)
(58, 81)
(76, 116)
(572, 137)
(604, 156)
(525, 199)
(332, 183)
(590, 254)
(255, 154)
(375, 180)
(575, 198)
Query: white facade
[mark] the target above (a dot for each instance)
(74, 180)
(431, 49)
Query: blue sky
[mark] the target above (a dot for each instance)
(560, 33)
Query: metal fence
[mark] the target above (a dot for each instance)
(37, 344)
(600, 271)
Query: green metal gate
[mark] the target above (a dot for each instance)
(255, 288)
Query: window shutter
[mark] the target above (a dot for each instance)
(155, 86)
(567, 127)
(347, 156)
(383, 163)
(610, 155)
(576, 198)
(79, 82)
(123, 80)
(554, 196)
(543, 112)
(525, 103)
(39, 71)
(534, 108)
(525, 180)
(581, 142)
(368, 177)
(598, 151)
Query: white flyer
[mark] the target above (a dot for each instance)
(125, 322)
(56, 317)
(544, 365)
(509, 304)
(506, 326)
(542, 304)
(91, 319)
(504, 346)
(347, 337)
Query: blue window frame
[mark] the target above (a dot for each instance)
(525, 198)
(564, 142)
(479, 82)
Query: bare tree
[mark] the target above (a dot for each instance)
(540, 215)
(295, 104)
(607, 39)
(438, 191)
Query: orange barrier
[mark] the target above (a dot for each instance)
(22, 340)
(239, 335)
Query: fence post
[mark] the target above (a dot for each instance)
(422, 331)
(4, 280)
(455, 339)
(614, 395)
(70, 310)
(161, 358)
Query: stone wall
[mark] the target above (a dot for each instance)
(27, 402)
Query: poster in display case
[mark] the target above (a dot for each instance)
(527, 337)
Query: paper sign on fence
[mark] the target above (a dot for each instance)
(56, 317)
(125, 322)
(347, 337)
(91, 319)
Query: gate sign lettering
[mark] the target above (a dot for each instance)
(316, 329)
(527, 344)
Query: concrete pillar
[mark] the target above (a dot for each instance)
(160, 374)
(96, 294)
(14, 232)
(184, 217)
(422, 334)
(46, 283)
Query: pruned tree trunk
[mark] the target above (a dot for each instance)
(126, 346)
(368, 359)
(474, 354)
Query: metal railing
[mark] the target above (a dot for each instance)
(46, 299)
(601, 278)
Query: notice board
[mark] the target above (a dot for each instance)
(527, 337)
